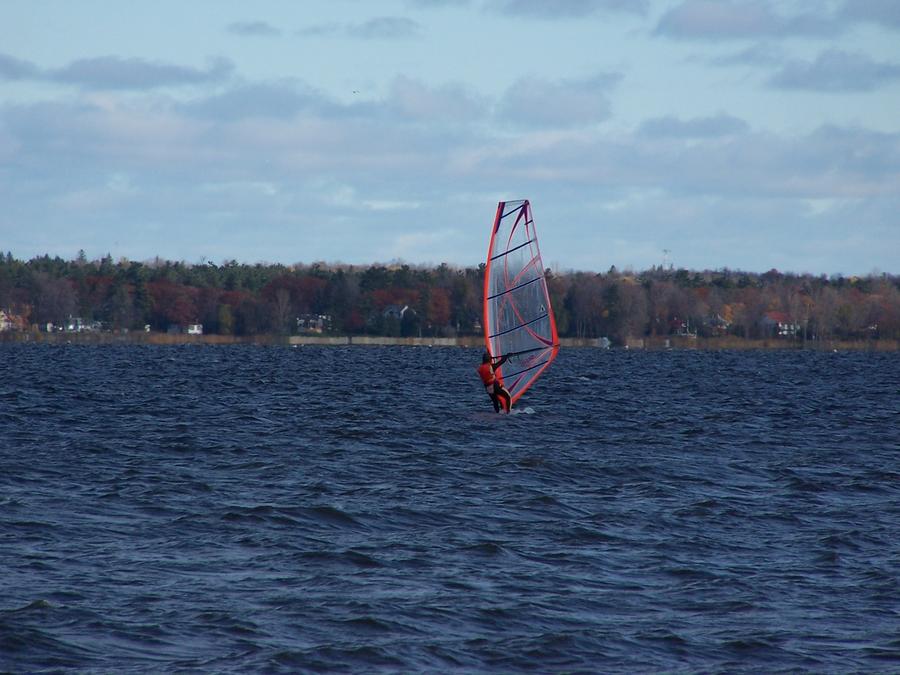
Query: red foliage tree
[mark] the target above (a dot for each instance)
(439, 307)
(172, 303)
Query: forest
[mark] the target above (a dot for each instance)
(405, 300)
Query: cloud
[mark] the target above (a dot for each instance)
(320, 30)
(700, 127)
(762, 54)
(12, 68)
(836, 71)
(94, 134)
(253, 29)
(565, 9)
(217, 179)
(113, 72)
(407, 100)
(279, 100)
(385, 28)
(431, 4)
(160, 140)
(833, 162)
(883, 12)
(558, 104)
(378, 28)
(738, 19)
(418, 245)
(868, 161)
(413, 100)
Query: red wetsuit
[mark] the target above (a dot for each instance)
(499, 396)
(486, 373)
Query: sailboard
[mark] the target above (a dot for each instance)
(518, 319)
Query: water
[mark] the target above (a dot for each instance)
(234, 509)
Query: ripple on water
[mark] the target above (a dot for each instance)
(237, 509)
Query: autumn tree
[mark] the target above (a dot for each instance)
(171, 304)
(438, 314)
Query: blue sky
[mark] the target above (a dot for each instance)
(748, 134)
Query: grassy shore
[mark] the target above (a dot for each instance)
(651, 343)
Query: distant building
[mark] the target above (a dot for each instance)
(190, 329)
(74, 324)
(780, 324)
(681, 327)
(7, 321)
(717, 324)
(314, 323)
(396, 311)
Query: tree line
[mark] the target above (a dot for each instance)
(243, 299)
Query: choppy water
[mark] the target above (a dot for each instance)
(233, 509)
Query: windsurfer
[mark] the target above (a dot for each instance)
(500, 397)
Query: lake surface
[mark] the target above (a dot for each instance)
(268, 509)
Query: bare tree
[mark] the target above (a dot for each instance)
(55, 299)
(635, 315)
(281, 309)
(824, 311)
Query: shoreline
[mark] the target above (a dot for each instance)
(469, 341)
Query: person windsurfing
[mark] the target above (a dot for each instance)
(500, 397)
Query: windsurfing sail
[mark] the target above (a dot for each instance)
(518, 318)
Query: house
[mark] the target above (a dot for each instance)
(314, 323)
(681, 327)
(396, 311)
(780, 324)
(717, 324)
(7, 321)
(75, 324)
(190, 329)
(397, 320)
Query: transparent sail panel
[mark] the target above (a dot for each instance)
(518, 319)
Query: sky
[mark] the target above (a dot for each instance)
(703, 134)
